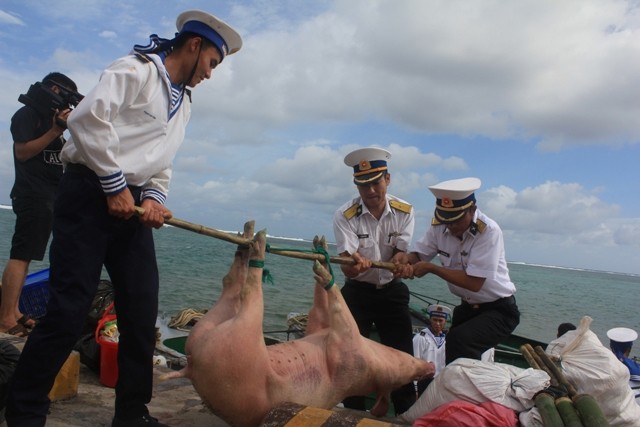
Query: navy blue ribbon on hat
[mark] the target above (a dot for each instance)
(156, 45)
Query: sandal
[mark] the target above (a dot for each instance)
(18, 331)
(27, 321)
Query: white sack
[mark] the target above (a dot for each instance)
(531, 418)
(476, 382)
(593, 369)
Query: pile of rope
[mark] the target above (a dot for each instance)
(186, 317)
(560, 405)
(297, 322)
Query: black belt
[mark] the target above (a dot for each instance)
(83, 170)
(511, 300)
(394, 282)
(80, 169)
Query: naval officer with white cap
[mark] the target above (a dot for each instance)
(470, 248)
(376, 226)
(124, 136)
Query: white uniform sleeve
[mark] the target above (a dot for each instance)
(346, 239)
(404, 240)
(427, 246)
(158, 187)
(90, 123)
(419, 346)
(485, 256)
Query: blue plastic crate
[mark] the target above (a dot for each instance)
(35, 294)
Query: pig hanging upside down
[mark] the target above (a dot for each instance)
(241, 379)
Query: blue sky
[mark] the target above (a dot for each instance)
(539, 99)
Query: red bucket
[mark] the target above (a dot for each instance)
(108, 352)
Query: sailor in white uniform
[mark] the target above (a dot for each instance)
(470, 249)
(124, 136)
(428, 344)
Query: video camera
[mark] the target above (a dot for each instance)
(44, 100)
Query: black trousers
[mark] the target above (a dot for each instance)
(388, 309)
(86, 237)
(475, 329)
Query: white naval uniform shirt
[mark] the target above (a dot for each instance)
(373, 239)
(480, 254)
(122, 127)
(428, 347)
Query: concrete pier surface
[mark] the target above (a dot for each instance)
(175, 402)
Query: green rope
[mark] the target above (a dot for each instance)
(319, 250)
(323, 251)
(266, 274)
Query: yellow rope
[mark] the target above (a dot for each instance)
(298, 322)
(186, 317)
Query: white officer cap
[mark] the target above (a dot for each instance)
(453, 198)
(369, 164)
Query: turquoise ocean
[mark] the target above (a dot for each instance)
(192, 266)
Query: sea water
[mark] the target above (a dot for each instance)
(192, 267)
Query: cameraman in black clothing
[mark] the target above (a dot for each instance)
(37, 130)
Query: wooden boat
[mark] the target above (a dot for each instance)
(507, 351)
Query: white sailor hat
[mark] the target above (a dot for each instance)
(369, 164)
(226, 39)
(622, 335)
(453, 198)
(437, 310)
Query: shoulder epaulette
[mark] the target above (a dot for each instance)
(354, 210)
(402, 207)
(477, 227)
(142, 57)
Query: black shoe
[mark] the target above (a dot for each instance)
(143, 421)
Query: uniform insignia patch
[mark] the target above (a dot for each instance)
(477, 227)
(402, 207)
(353, 211)
(447, 202)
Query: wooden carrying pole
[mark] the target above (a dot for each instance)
(239, 240)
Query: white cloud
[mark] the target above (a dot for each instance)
(536, 97)
(108, 34)
(9, 19)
